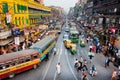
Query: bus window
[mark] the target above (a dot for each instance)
(8, 64)
(2, 66)
(15, 62)
(35, 56)
(28, 59)
(21, 60)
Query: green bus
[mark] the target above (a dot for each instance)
(74, 36)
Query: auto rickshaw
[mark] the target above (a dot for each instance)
(82, 43)
(73, 48)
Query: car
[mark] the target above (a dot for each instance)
(65, 37)
(67, 29)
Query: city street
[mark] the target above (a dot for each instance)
(60, 40)
(47, 69)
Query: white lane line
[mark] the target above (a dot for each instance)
(70, 67)
(57, 51)
(58, 60)
(47, 67)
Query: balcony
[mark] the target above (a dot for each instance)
(5, 33)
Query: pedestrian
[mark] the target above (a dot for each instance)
(85, 64)
(54, 51)
(76, 62)
(100, 48)
(93, 71)
(23, 46)
(58, 67)
(83, 73)
(90, 47)
(118, 74)
(105, 49)
(113, 78)
(91, 55)
(107, 61)
(85, 78)
(93, 48)
(87, 39)
(114, 75)
(81, 59)
(97, 48)
(79, 65)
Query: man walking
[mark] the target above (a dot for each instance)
(58, 67)
(85, 64)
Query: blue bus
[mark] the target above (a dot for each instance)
(44, 46)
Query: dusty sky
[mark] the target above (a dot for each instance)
(66, 4)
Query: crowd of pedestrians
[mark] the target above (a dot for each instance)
(82, 65)
(107, 50)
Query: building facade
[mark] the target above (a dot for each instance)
(88, 10)
(22, 13)
(107, 12)
(18, 18)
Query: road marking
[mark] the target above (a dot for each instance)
(57, 51)
(78, 52)
(70, 66)
(58, 60)
(47, 67)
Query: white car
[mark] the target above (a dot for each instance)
(65, 37)
(67, 29)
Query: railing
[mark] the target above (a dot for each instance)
(4, 34)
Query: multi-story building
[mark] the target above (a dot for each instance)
(88, 9)
(57, 12)
(108, 12)
(20, 14)
(71, 12)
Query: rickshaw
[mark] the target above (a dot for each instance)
(82, 43)
(73, 48)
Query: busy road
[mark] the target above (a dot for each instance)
(47, 68)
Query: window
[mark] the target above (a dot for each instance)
(21, 60)
(5, 7)
(35, 56)
(16, 21)
(15, 62)
(8, 64)
(2, 66)
(22, 20)
(28, 59)
(19, 21)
